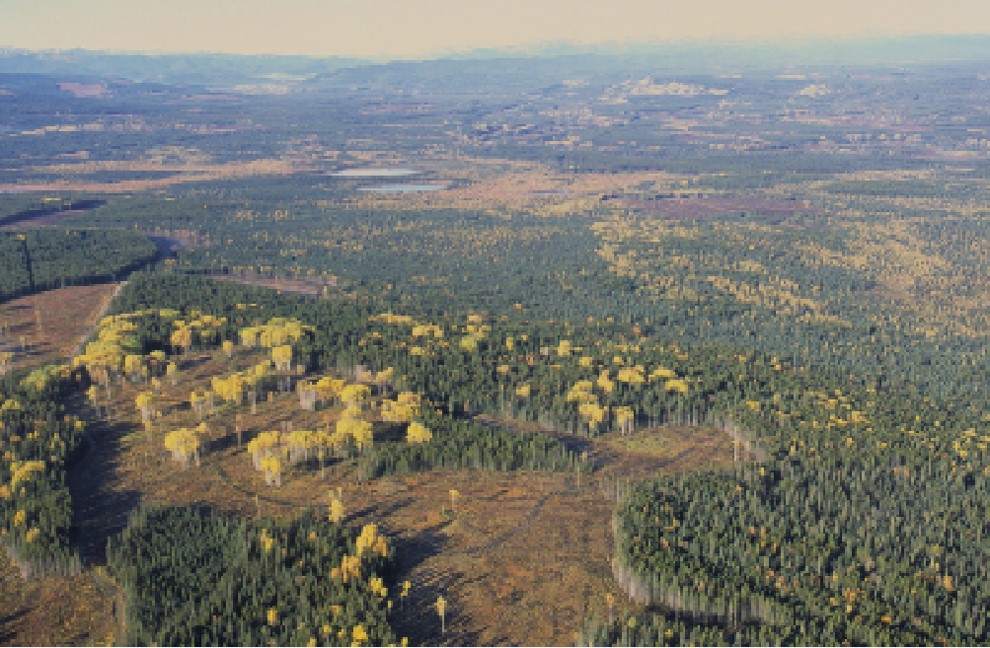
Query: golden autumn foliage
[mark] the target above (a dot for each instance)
(354, 394)
(418, 433)
(279, 331)
(625, 418)
(403, 409)
(592, 413)
(631, 375)
(581, 392)
(184, 444)
(282, 357)
(354, 429)
(145, 403)
(21, 472)
(336, 513)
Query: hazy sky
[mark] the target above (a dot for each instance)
(418, 28)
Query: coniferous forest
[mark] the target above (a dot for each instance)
(607, 350)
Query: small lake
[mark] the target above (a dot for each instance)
(375, 173)
(403, 188)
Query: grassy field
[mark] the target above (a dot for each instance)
(49, 326)
(55, 610)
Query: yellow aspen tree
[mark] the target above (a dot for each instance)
(383, 377)
(272, 467)
(625, 419)
(441, 607)
(362, 433)
(93, 395)
(631, 375)
(418, 433)
(678, 385)
(145, 403)
(592, 413)
(132, 366)
(197, 402)
(6, 357)
(157, 358)
(354, 394)
(183, 444)
(308, 395)
(605, 383)
(337, 513)
(181, 339)
(377, 587)
(282, 357)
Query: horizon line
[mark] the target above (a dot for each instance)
(536, 49)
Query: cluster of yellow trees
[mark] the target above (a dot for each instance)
(21, 472)
(369, 542)
(41, 377)
(592, 412)
(474, 332)
(103, 358)
(279, 331)
(112, 354)
(273, 451)
(201, 330)
(328, 389)
(403, 409)
(421, 333)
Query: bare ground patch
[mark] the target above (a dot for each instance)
(49, 326)
(55, 610)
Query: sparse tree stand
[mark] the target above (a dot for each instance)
(441, 607)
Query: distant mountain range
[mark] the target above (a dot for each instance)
(684, 56)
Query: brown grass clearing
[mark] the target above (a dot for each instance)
(66, 316)
(55, 610)
(309, 286)
(536, 189)
(181, 174)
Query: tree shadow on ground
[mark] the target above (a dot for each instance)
(99, 511)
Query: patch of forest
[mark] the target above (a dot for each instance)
(191, 577)
(41, 259)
